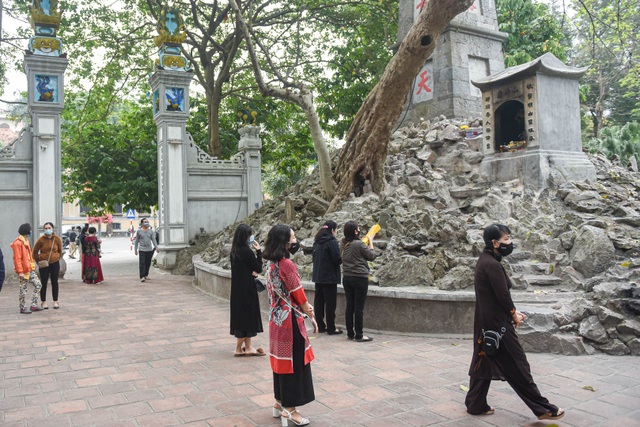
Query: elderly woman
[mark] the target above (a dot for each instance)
(289, 348)
(496, 312)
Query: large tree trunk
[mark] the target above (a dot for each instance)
(301, 96)
(367, 142)
(213, 106)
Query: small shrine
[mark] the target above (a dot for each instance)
(531, 123)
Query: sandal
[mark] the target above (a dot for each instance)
(277, 410)
(44, 306)
(364, 339)
(288, 416)
(556, 415)
(55, 306)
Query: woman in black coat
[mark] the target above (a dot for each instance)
(326, 276)
(495, 311)
(246, 321)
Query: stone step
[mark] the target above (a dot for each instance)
(532, 267)
(541, 280)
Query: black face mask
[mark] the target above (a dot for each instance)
(293, 247)
(505, 250)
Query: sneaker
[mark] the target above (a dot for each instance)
(24, 311)
(142, 280)
(146, 277)
(35, 308)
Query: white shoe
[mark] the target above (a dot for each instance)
(142, 280)
(277, 410)
(288, 416)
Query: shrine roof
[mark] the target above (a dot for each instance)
(546, 64)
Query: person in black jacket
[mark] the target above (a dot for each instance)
(1, 269)
(246, 321)
(495, 311)
(326, 276)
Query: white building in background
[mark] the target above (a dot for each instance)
(9, 129)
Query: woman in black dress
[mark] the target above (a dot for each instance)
(246, 321)
(495, 311)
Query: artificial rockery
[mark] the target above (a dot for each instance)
(577, 262)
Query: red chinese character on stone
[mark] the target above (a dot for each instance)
(472, 7)
(422, 4)
(424, 78)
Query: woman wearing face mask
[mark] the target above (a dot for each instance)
(245, 319)
(355, 279)
(289, 348)
(48, 248)
(326, 276)
(495, 311)
(25, 267)
(145, 245)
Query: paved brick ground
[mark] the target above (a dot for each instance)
(127, 353)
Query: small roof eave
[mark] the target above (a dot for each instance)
(546, 64)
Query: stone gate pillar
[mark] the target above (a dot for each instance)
(250, 145)
(45, 64)
(170, 86)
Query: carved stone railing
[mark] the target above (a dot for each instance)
(236, 161)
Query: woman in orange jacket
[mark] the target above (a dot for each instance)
(24, 265)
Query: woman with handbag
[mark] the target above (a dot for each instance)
(47, 253)
(245, 319)
(92, 268)
(289, 348)
(355, 279)
(326, 276)
(494, 323)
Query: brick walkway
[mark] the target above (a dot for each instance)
(159, 353)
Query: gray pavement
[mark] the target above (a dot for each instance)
(125, 353)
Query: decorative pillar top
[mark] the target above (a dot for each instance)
(171, 34)
(44, 17)
(249, 138)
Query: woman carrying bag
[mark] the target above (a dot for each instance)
(47, 253)
(497, 353)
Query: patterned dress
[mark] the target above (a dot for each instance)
(290, 351)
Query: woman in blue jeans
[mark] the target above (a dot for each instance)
(355, 279)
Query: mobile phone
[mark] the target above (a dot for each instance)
(251, 239)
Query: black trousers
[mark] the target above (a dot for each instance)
(355, 290)
(325, 303)
(144, 262)
(53, 271)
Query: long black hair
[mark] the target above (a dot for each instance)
(275, 248)
(350, 229)
(326, 229)
(494, 232)
(240, 239)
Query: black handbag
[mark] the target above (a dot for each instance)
(491, 341)
(260, 286)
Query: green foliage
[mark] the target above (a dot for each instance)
(534, 29)
(109, 157)
(607, 40)
(359, 48)
(287, 149)
(617, 141)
